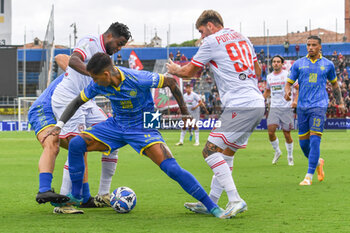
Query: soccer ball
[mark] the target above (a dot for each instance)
(123, 199)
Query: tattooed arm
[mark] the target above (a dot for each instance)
(338, 97)
(175, 90)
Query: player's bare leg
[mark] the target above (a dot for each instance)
(160, 154)
(46, 166)
(289, 147)
(271, 129)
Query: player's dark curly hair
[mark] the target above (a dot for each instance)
(118, 30)
(98, 63)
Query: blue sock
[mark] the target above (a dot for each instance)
(76, 150)
(187, 181)
(305, 147)
(45, 180)
(314, 154)
(86, 192)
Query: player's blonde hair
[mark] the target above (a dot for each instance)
(209, 16)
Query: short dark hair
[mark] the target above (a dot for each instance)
(279, 56)
(314, 37)
(119, 30)
(188, 85)
(98, 63)
(209, 16)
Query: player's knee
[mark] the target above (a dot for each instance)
(171, 168)
(77, 144)
(52, 147)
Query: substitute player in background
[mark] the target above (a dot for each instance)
(193, 103)
(233, 61)
(130, 94)
(76, 79)
(280, 111)
(312, 73)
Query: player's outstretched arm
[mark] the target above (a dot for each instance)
(338, 97)
(76, 63)
(175, 90)
(186, 71)
(66, 115)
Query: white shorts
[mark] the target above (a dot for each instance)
(195, 114)
(237, 124)
(282, 117)
(82, 119)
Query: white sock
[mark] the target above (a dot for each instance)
(182, 135)
(289, 147)
(109, 164)
(196, 135)
(275, 145)
(309, 175)
(223, 175)
(216, 188)
(66, 186)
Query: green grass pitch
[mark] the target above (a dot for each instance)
(276, 203)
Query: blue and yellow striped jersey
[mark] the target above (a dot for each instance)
(131, 98)
(312, 77)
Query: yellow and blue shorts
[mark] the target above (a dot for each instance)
(115, 135)
(311, 120)
(40, 117)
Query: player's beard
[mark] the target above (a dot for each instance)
(109, 49)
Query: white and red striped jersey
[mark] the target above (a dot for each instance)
(74, 82)
(231, 57)
(276, 83)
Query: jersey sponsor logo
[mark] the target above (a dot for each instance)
(126, 104)
(242, 76)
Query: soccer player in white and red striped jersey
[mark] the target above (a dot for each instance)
(280, 111)
(233, 61)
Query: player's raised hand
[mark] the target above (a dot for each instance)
(172, 67)
(55, 131)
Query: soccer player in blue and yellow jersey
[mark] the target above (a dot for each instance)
(312, 73)
(130, 94)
